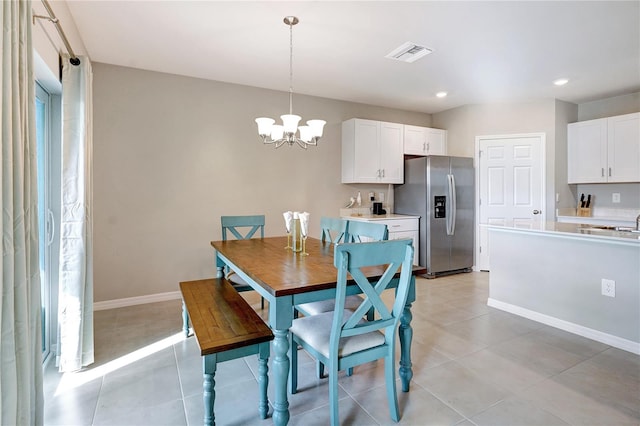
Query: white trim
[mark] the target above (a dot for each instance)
(138, 300)
(589, 333)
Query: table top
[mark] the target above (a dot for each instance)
(282, 272)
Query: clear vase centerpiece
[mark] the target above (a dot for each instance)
(304, 231)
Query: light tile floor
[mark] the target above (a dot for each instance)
(472, 365)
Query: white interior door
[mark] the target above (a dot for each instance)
(510, 186)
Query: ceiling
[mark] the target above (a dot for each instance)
(483, 52)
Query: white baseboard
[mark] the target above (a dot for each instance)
(589, 333)
(138, 300)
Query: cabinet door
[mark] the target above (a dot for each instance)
(391, 153)
(623, 148)
(587, 151)
(407, 234)
(367, 151)
(415, 140)
(436, 142)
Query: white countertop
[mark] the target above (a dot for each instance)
(600, 216)
(577, 230)
(357, 216)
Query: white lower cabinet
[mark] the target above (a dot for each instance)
(399, 227)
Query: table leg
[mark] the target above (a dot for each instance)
(281, 373)
(219, 267)
(406, 335)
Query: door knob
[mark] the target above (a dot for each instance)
(537, 212)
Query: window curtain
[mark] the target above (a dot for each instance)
(75, 295)
(21, 400)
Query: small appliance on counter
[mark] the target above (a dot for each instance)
(377, 209)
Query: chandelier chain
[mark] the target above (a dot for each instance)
(290, 68)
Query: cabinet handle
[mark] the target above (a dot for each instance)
(602, 172)
(382, 172)
(428, 147)
(609, 171)
(424, 146)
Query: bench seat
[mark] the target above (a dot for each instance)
(226, 327)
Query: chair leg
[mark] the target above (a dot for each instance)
(350, 371)
(293, 374)
(333, 393)
(263, 379)
(262, 303)
(390, 379)
(319, 370)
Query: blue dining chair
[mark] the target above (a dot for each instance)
(358, 231)
(354, 231)
(241, 228)
(343, 230)
(343, 339)
(332, 229)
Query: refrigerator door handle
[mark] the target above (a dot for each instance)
(451, 216)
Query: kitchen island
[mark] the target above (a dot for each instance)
(557, 275)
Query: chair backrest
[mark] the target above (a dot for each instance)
(391, 255)
(236, 224)
(333, 229)
(357, 230)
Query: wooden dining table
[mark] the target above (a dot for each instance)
(286, 279)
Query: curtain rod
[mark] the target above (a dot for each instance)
(52, 17)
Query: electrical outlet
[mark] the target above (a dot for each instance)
(608, 288)
(615, 197)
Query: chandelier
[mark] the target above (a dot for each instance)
(279, 134)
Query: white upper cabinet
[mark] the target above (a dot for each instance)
(604, 150)
(424, 141)
(623, 148)
(372, 152)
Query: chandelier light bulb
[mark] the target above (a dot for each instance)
(286, 133)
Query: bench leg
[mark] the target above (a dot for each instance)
(185, 320)
(263, 379)
(209, 388)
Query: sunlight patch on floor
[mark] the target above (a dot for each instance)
(76, 379)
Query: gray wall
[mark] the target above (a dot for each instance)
(465, 123)
(551, 117)
(172, 154)
(564, 281)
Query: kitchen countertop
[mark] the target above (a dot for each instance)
(600, 216)
(576, 230)
(379, 217)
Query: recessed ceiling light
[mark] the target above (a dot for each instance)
(561, 82)
(442, 94)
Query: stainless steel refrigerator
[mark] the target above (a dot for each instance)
(441, 191)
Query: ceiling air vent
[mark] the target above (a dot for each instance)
(408, 52)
